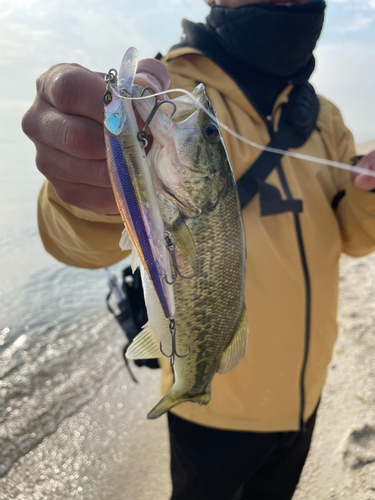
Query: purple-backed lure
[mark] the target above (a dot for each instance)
(132, 184)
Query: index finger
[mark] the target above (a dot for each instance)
(74, 90)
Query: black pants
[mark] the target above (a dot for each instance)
(213, 464)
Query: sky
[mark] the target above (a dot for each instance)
(35, 34)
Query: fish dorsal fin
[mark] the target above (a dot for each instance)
(128, 69)
(183, 238)
(236, 349)
(125, 242)
(145, 345)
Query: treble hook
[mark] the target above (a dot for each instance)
(171, 247)
(172, 329)
(142, 135)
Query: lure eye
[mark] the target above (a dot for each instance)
(107, 98)
(211, 133)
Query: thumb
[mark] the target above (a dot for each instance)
(153, 73)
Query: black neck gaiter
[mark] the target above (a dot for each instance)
(276, 39)
(262, 46)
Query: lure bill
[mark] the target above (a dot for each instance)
(132, 184)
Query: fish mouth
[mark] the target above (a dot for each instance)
(171, 195)
(160, 176)
(181, 111)
(164, 127)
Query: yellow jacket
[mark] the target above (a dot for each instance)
(264, 392)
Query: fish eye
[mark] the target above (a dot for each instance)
(211, 133)
(107, 98)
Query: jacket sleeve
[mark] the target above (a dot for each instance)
(356, 210)
(78, 237)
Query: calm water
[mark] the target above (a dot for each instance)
(57, 341)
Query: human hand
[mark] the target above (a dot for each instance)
(65, 123)
(362, 181)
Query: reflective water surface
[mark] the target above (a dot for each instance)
(72, 422)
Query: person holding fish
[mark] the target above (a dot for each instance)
(255, 59)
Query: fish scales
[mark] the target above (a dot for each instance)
(213, 295)
(198, 201)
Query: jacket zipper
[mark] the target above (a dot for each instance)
(306, 274)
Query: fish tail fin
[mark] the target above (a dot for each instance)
(173, 398)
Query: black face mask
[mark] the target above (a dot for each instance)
(261, 46)
(275, 39)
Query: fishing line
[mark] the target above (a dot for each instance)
(282, 152)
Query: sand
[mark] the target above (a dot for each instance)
(341, 463)
(364, 148)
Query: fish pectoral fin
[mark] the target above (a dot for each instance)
(235, 351)
(125, 242)
(184, 240)
(145, 345)
(136, 261)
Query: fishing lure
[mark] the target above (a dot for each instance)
(132, 184)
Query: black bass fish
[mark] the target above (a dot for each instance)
(198, 201)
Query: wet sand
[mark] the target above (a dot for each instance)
(107, 450)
